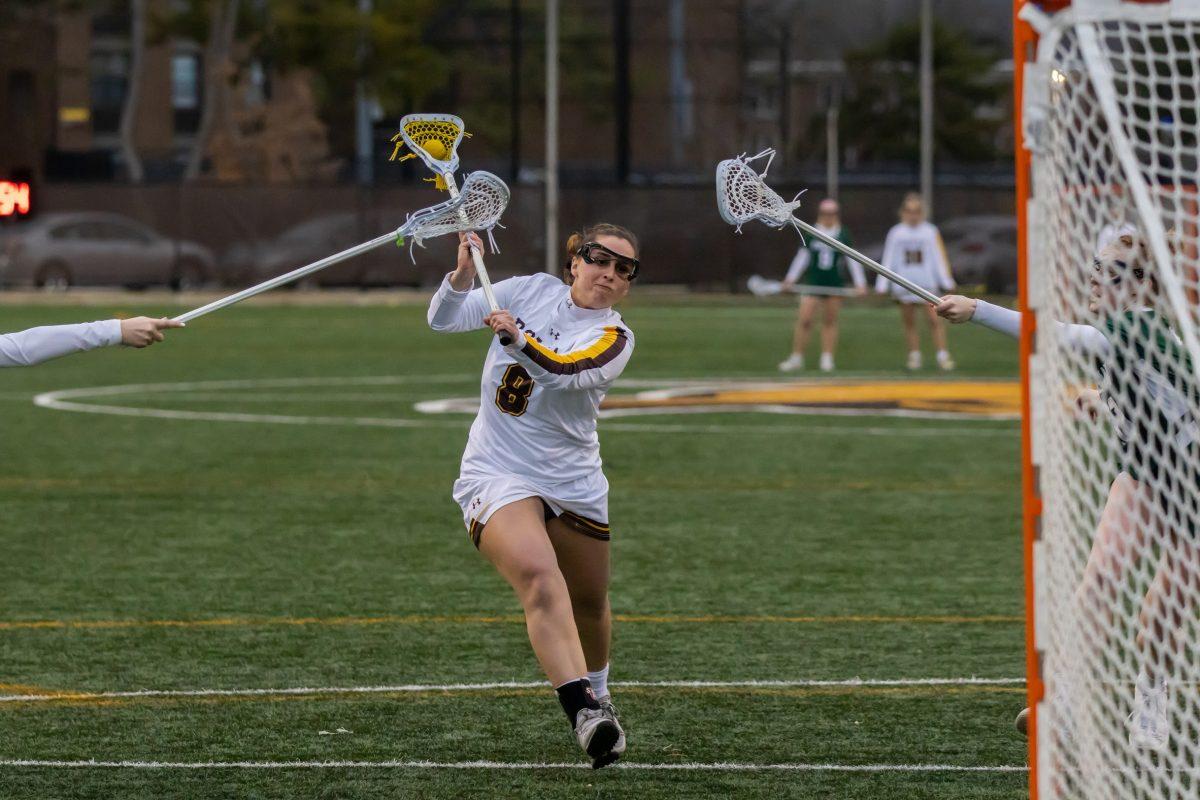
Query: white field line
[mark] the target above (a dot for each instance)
(512, 765)
(66, 400)
(500, 685)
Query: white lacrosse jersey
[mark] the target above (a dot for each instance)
(36, 345)
(916, 253)
(540, 396)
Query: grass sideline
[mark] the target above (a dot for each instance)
(891, 548)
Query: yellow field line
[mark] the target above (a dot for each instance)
(494, 619)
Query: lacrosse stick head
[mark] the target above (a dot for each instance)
(480, 203)
(434, 139)
(743, 195)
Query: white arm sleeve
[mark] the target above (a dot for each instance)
(799, 264)
(595, 366)
(452, 311)
(1082, 338)
(36, 345)
(997, 318)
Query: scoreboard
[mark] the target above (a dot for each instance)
(14, 199)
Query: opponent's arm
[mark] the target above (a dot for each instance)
(959, 309)
(595, 365)
(36, 345)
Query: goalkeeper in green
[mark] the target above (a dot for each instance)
(818, 273)
(1147, 390)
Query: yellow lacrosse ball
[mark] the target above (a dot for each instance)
(435, 148)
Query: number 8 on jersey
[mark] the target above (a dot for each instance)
(512, 395)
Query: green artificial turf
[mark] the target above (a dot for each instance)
(746, 547)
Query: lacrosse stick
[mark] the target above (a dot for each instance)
(477, 208)
(434, 139)
(766, 287)
(743, 196)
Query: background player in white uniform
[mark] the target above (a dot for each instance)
(36, 345)
(1148, 390)
(914, 249)
(532, 492)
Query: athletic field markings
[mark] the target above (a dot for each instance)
(43, 696)
(728, 766)
(512, 619)
(72, 400)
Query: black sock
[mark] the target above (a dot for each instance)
(575, 695)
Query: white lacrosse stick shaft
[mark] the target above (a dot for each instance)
(850, 252)
(485, 282)
(287, 277)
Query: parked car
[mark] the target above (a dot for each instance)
(983, 250)
(252, 261)
(56, 251)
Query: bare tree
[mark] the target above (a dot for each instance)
(218, 63)
(129, 109)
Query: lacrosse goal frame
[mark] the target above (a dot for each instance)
(1025, 42)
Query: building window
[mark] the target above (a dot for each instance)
(110, 81)
(185, 92)
(259, 90)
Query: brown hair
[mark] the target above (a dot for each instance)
(589, 234)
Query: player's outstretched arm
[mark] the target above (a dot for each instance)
(36, 345)
(959, 309)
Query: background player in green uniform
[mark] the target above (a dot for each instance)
(818, 273)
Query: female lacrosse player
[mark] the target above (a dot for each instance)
(36, 345)
(533, 495)
(914, 249)
(818, 269)
(1148, 389)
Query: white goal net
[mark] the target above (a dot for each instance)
(1110, 111)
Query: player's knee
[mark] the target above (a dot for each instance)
(541, 586)
(590, 605)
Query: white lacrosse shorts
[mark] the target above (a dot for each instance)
(581, 504)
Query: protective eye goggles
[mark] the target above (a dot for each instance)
(1114, 277)
(601, 256)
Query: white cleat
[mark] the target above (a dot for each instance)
(914, 360)
(606, 705)
(945, 362)
(792, 363)
(1148, 725)
(826, 362)
(598, 734)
